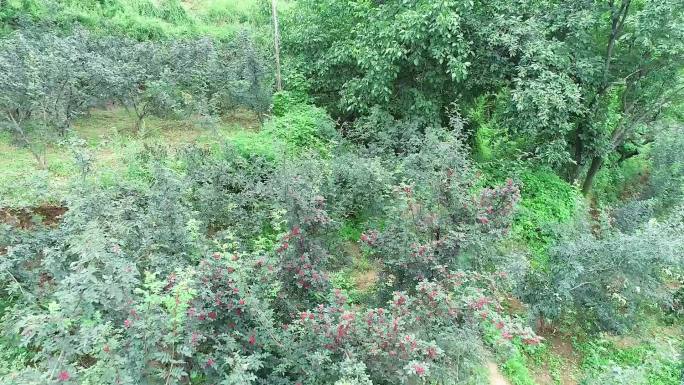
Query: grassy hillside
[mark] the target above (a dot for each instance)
(142, 19)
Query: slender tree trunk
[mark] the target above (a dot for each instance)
(276, 45)
(579, 148)
(20, 134)
(617, 22)
(139, 124)
(594, 168)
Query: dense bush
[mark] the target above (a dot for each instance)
(360, 186)
(436, 222)
(383, 135)
(149, 283)
(227, 188)
(667, 174)
(606, 279)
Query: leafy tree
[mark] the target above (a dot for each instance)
(254, 85)
(628, 79)
(47, 82)
(147, 83)
(215, 77)
(573, 82)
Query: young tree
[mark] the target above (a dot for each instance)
(48, 81)
(252, 86)
(23, 99)
(147, 80)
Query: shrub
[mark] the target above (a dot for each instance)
(633, 214)
(430, 336)
(132, 286)
(382, 135)
(359, 185)
(298, 187)
(667, 178)
(607, 279)
(302, 128)
(48, 81)
(437, 222)
(229, 191)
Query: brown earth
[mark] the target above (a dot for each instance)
(560, 346)
(495, 377)
(25, 218)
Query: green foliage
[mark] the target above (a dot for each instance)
(546, 201)
(606, 279)
(360, 248)
(649, 364)
(383, 135)
(139, 19)
(12, 357)
(379, 49)
(195, 263)
(47, 82)
(361, 186)
(284, 100)
(516, 370)
(434, 223)
(619, 181)
(568, 100)
(667, 175)
(543, 357)
(50, 80)
(301, 128)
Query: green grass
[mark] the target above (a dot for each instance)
(110, 143)
(654, 351)
(618, 182)
(516, 371)
(546, 200)
(543, 358)
(659, 363)
(144, 19)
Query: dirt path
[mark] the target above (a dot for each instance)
(560, 347)
(495, 377)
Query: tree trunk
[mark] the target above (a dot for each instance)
(617, 21)
(596, 164)
(276, 45)
(139, 124)
(40, 156)
(577, 167)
